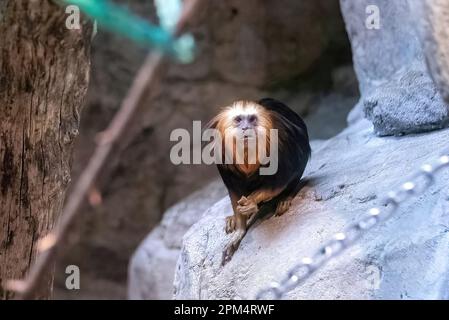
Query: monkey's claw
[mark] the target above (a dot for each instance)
(233, 245)
(228, 252)
(282, 207)
(246, 207)
(230, 224)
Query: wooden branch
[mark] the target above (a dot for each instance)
(146, 78)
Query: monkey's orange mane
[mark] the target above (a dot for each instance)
(224, 120)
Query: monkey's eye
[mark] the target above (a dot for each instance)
(238, 119)
(252, 118)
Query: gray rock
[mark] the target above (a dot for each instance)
(434, 33)
(152, 266)
(398, 94)
(408, 104)
(403, 258)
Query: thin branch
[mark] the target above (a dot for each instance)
(147, 76)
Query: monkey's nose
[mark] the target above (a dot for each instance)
(246, 126)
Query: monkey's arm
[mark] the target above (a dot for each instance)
(248, 206)
(235, 221)
(234, 199)
(235, 224)
(245, 210)
(264, 195)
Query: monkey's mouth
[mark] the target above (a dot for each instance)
(248, 137)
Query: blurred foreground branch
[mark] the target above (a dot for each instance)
(146, 78)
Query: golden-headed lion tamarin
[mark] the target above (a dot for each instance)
(248, 189)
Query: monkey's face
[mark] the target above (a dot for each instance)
(245, 121)
(243, 127)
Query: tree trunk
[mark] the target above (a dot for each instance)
(44, 72)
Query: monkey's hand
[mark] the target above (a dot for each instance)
(247, 207)
(230, 224)
(283, 206)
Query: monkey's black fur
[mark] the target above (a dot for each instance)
(293, 154)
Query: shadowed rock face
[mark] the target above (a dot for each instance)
(406, 257)
(398, 94)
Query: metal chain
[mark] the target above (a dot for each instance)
(418, 183)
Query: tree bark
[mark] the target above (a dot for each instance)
(44, 73)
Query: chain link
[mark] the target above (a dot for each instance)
(418, 183)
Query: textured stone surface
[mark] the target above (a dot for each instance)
(395, 85)
(152, 267)
(406, 104)
(404, 258)
(435, 38)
